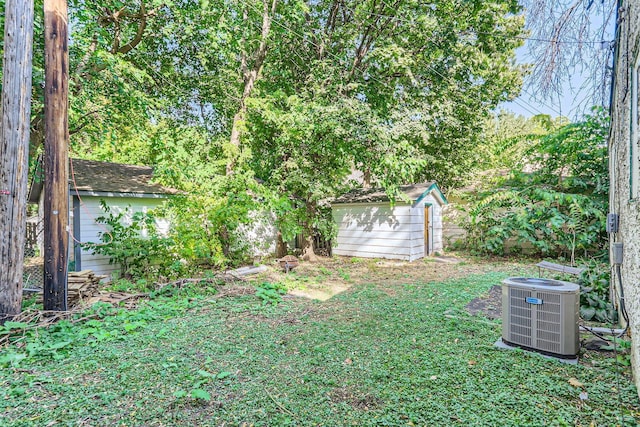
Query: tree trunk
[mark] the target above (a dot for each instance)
(249, 77)
(308, 253)
(225, 241)
(56, 161)
(14, 151)
(281, 246)
(366, 178)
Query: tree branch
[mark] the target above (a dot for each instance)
(142, 25)
(85, 121)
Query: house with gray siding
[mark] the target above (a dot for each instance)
(370, 225)
(624, 171)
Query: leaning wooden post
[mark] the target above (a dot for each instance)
(14, 151)
(56, 162)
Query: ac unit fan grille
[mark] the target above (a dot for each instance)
(520, 317)
(548, 323)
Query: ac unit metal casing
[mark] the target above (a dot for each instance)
(541, 315)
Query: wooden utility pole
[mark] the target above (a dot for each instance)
(56, 162)
(14, 151)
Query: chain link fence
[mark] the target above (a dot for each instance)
(33, 275)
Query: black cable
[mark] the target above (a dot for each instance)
(623, 308)
(597, 334)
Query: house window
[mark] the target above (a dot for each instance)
(635, 131)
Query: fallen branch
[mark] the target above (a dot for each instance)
(280, 405)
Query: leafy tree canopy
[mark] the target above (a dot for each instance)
(298, 94)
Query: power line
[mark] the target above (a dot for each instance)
(525, 106)
(525, 38)
(552, 108)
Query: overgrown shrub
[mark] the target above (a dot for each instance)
(136, 245)
(205, 229)
(554, 202)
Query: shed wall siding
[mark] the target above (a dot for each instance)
(261, 234)
(374, 230)
(378, 230)
(621, 200)
(90, 231)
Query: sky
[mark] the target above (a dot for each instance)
(574, 101)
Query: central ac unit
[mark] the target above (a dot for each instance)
(541, 315)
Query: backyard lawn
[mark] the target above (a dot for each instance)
(392, 349)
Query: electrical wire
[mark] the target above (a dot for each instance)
(526, 38)
(623, 310)
(91, 217)
(623, 307)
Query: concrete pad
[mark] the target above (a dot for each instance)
(502, 345)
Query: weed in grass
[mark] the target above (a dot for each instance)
(202, 378)
(372, 265)
(99, 324)
(270, 293)
(324, 271)
(344, 275)
(622, 348)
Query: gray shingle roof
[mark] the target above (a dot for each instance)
(368, 195)
(106, 177)
(90, 175)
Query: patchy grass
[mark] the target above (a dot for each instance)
(380, 353)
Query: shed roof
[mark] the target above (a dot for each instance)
(106, 177)
(414, 192)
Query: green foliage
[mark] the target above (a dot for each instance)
(99, 324)
(622, 347)
(401, 99)
(507, 138)
(558, 209)
(595, 302)
(201, 379)
(205, 225)
(205, 231)
(271, 293)
(133, 242)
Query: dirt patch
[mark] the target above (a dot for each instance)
(346, 395)
(321, 293)
(328, 277)
(489, 305)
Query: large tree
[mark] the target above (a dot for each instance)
(396, 90)
(297, 93)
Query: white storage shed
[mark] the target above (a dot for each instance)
(370, 226)
(121, 187)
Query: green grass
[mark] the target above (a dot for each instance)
(365, 357)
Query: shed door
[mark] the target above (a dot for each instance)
(428, 230)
